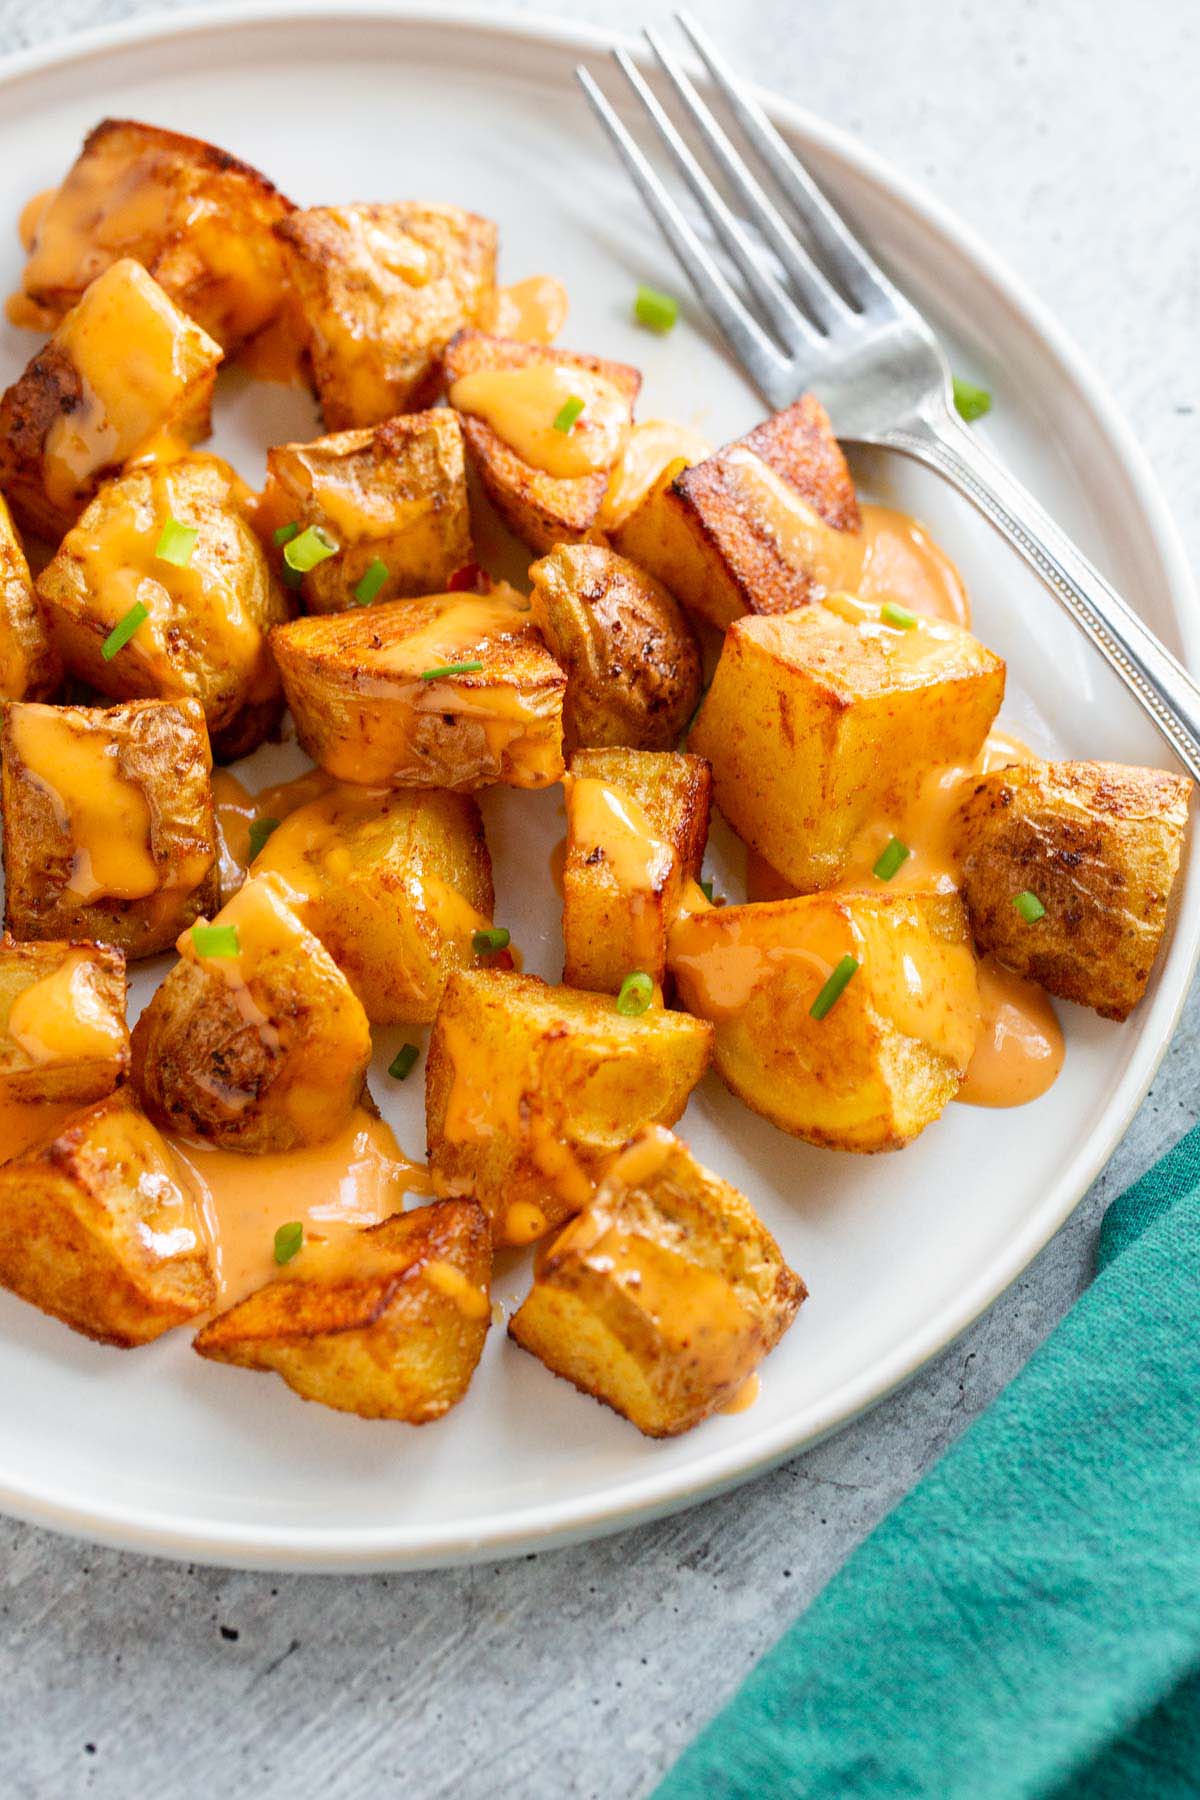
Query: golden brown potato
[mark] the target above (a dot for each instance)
(393, 495)
(664, 1295)
(751, 528)
(1098, 845)
(542, 508)
(108, 822)
(819, 721)
(123, 366)
(370, 705)
(205, 634)
(394, 885)
(63, 1035)
(632, 660)
(98, 1229)
(889, 1053)
(382, 289)
(198, 219)
(637, 824)
(29, 668)
(255, 1041)
(530, 1089)
(388, 1323)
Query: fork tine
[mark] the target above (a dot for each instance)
(749, 342)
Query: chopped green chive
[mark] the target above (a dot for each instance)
(494, 938)
(656, 311)
(123, 630)
(260, 831)
(176, 543)
(1029, 907)
(286, 533)
(404, 1062)
(899, 616)
(372, 581)
(568, 413)
(467, 668)
(289, 1239)
(308, 548)
(892, 858)
(832, 991)
(971, 402)
(706, 888)
(637, 991)
(216, 940)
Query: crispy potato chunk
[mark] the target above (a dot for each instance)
(108, 822)
(887, 1056)
(258, 1044)
(63, 1035)
(124, 365)
(98, 1228)
(29, 668)
(727, 538)
(637, 824)
(543, 509)
(394, 494)
(530, 1089)
(1098, 844)
(198, 219)
(369, 708)
(388, 1323)
(663, 1296)
(394, 885)
(205, 637)
(382, 290)
(818, 721)
(632, 660)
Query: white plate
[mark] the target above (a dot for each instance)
(159, 1451)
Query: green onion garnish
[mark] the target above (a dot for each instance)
(899, 616)
(286, 533)
(656, 311)
(372, 581)
(403, 1062)
(176, 543)
(831, 993)
(971, 402)
(892, 858)
(568, 413)
(706, 888)
(216, 940)
(637, 991)
(309, 548)
(494, 938)
(288, 1240)
(123, 630)
(1029, 907)
(260, 831)
(467, 668)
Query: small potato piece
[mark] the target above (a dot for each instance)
(109, 831)
(637, 824)
(198, 219)
(63, 1035)
(388, 1323)
(754, 527)
(395, 493)
(261, 1047)
(1098, 844)
(382, 289)
(365, 711)
(29, 668)
(530, 1089)
(632, 660)
(889, 1054)
(205, 638)
(98, 1229)
(819, 721)
(124, 365)
(663, 1296)
(394, 885)
(543, 509)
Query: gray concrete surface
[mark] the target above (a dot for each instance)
(1065, 130)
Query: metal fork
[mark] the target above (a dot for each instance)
(833, 322)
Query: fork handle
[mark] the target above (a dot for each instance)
(1155, 678)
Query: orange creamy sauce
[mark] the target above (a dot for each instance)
(1019, 1050)
(650, 448)
(26, 1122)
(533, 310)
(237, 809)
(521, 405)
(63, 1019)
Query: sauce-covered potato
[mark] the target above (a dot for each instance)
(29, 668)
(63, 1035)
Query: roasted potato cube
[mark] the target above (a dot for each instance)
(1097, 845)
(819, 720)
(394, 885)
(382, 289)
(870, 1070)
(663, 1296)
(108, 822)
(543, 508)
(637, 824)
(388, 1323)
(394, 494)
(63, 1035)
(530, 1089)
(255, 1041)
(205, 636)
(198, 219)
(99, 1229)
(124, 365)
(452, 691)
(757, 526)
(632, 660)
(29, 668)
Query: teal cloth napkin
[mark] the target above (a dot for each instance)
(1027, 1621)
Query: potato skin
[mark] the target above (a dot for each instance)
(29, 667)
(1099, 844)
(79, 1080)
(376, 1334)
